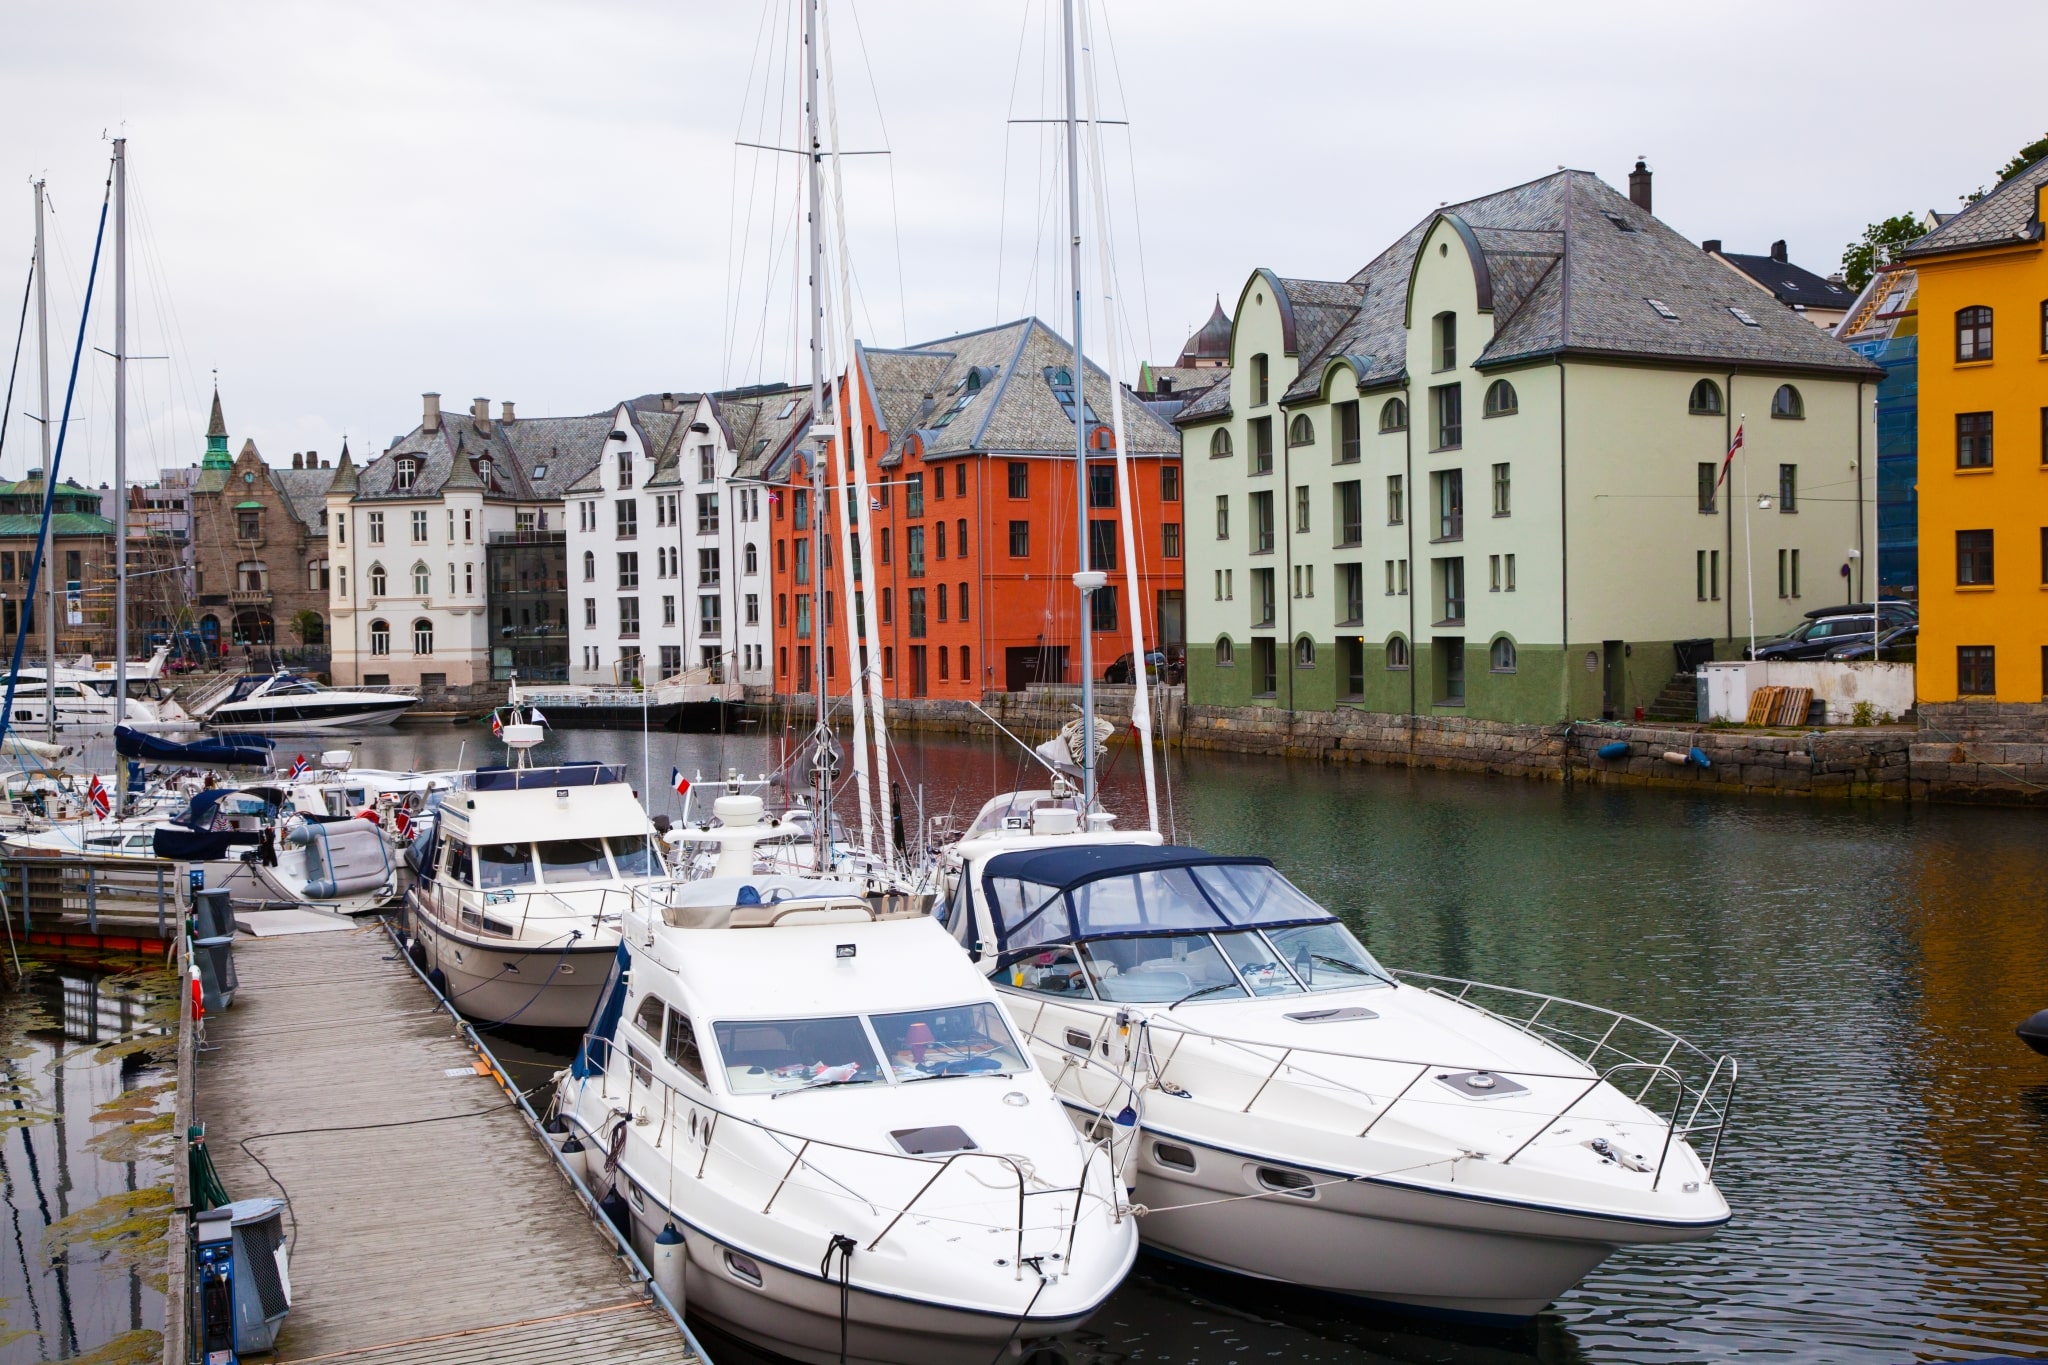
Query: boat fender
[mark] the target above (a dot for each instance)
(613, 1206)
(1699, 758)
(439, 981)
(2034, 1032)
(670, 1261)
(573, 1156)
(1614, 750)
(1676, 759)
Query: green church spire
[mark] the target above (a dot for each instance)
(216, 439)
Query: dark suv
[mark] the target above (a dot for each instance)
(1830, 628)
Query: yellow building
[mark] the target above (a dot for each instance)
(1984, 448)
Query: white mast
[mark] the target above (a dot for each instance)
(120, 447)
(821, 738)
(1141, 697)
(1087, 580)
(43, 548)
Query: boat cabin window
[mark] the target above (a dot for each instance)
(681, 1047)
(1160, 970)
(767, 1057)
(572, 860)
(331, 799)
(649, 1016)
(1325, 957)
(635, 856)
(458, 864)
(356, 797)
(1056, 971)
(504, 865)
(961, 1040)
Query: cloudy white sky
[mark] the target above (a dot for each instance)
(338, 206)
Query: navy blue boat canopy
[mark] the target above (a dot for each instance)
(503, 779)
(1067, 895)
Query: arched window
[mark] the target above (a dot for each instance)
(408, 470)
(753, 560)
(974, 380)
(1501, 400)
(1219, 444)
(377, 580)
(1397, 651)
(1503, 655)
(423, 636)
(1305, 652)
(380, 637)
(1260, 378)
(1705, 399)
(589, 567)
(1393, 415)
(1786, 402)
(422, 581)
(1226, 653)
(312, 630)
(1104, 438)
(1973, 333)
(1301, 431)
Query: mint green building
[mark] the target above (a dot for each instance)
(1479, 477)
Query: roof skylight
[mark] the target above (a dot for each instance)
(1619, 222)
(1663, 309)
(1742, 315)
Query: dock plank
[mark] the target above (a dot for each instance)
(426, 1222)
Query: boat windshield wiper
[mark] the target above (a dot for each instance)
(1204, 990)
(817, 1082)
(1351, 968)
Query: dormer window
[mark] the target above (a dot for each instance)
(408, 472)
(483, 470)
(1444, 328)
(974, 381)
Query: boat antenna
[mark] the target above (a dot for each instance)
(1087, 580)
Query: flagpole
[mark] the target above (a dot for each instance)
(1748, 544)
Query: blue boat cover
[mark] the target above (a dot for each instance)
(246, 751)
(597, 1040)
(200, 846)
(502, 779)
(1073, 865)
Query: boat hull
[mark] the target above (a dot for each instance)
(1398, 1245)
(309, 717)
(507, 983)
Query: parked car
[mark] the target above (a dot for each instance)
(1830, 628)
(1121, 671)
(1897, 645)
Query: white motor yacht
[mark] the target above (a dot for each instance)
(285, 701)
(830, 1109)
(1304, 1114)
(86, 706)
(525, 877)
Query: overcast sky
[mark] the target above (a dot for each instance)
(340, 206)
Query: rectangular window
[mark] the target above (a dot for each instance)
(625, 469)
(1699, 574)
(629, 518)
(1788, 488)
(1784, 573)
(1709, 478)
(888, 606)
(1101, 485)
(1020, 539)
(1102, 608)
(1222, 516)
(1259, 381)
(916, 603)
(1263, 605)
(1266, 666)
(419, 527)
(1351, 588)
(1102, 545)
(960, 490)
(629, 569)
(913, 496)
(1262, 522)
(803, 620)
(753, 609)
(1350, 513)
(1502, 491)
(708, 571)
(1347, 433)
(939, 484)
(1511, 572)
(960, 539)
(1795, 573)
(451, 526)
(1020, 479)
(710, 616)
(2044, 418)
(939, 535)
(1260, 430)
(888, 544)
(707, 514)
(1219, 585)
(590, 613)
(1714, 575)
(1976, 671)
(1169, 540)
(913, 551)
(629, 617)
(1448, 486)
(1447, 408)
(668, 609)
(468, 535)
(1973, 558)
(376, 528)
(1450, 591)
(1301, 510)
(1169, 483)
(2044, 556)
(1493, 573)
(1450, 670)
(1973, 440)
(671, 664)
(1395, 508)
(803, 561)
(943, 595)
(1444, 342)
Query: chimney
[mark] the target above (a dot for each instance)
(480, 413)
(1712, 246)
(327, 464)
(312, 459)
(1639, 186)
(1778, 250)
(668, 402)
(430, 416)
(505, 411)
(298, 460)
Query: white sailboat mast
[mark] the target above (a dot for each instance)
(821, 734)
(43, 549)
(120, 447)
(1086, 579)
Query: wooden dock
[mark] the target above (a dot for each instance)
(427, 1222)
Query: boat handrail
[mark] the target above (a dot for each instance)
(704, 1133)
(488, 900)
(1703, 1094)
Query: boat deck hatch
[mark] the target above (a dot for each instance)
(1333, 1016)
(1480, 1085)
(933, 1141)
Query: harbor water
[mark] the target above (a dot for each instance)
(1888, 1164)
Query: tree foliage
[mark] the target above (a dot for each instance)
(1880, 245)
(2027, 156)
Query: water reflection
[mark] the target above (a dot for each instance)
(1867, 964)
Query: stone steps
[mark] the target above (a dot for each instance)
(1679, 701)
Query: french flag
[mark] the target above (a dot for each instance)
(679, 782)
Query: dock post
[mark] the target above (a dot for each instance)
(92, 903)
(159, 902)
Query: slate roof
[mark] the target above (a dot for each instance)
(1572, 263)
(304, 493)
(1010, 408)
(217, 425)
(2000, 218)
(533, 459)
(767, 427)
(1211, 340)
(1792, 285)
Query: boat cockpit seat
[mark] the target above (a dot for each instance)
(799, 912)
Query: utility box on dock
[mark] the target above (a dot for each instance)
(245, 1286)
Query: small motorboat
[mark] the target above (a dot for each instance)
(2034, 1032)
(525, 873)
(821, 1105)
(285, 701)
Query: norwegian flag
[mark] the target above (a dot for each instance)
(679, 782)
(401, 821)
(299, 766)
(1729, 458)
(96, 793)
(497, 726)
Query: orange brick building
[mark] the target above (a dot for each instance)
(970, 464)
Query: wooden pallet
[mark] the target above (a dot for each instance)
(1779, 705)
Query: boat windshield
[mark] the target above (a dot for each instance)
(1232, 965)
(1190, 897)
(504, 865)
(774, 1056)
(959, 1040)
(635, 856)
(572, 860)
